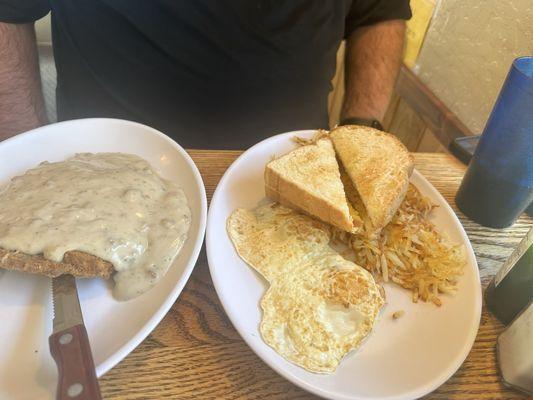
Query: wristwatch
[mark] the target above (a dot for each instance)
(373, 123)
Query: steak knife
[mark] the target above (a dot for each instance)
(69, 344)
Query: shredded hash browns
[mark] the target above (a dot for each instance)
(409, 251)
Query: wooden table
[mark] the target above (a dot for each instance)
(195, 353)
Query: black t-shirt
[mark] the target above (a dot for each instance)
(210, 74)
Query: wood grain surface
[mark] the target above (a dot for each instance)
(195, 353)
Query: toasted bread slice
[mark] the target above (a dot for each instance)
(76, 263)
(308, 179)
(378, 164)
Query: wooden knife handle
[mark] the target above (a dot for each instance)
(77, 376)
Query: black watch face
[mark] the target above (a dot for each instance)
(377, 125)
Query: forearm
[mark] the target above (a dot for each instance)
(21, 98)
(373, 59)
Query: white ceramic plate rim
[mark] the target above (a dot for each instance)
(149, 326)
(262, 351)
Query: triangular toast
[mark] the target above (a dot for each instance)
(378, 164)
(308, 179)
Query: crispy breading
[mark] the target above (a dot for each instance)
(76, 263)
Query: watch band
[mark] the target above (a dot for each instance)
(373, 123)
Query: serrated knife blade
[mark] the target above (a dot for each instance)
(67, 310)
(69, 344)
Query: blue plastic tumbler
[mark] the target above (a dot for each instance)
(498, 185)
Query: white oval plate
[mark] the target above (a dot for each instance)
(27, 370)
(401, 359)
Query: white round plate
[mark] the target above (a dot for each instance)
(115, 328)
(401, 359)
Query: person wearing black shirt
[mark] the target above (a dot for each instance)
(210, 74)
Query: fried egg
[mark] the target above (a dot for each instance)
(273, 238)
(319, 306)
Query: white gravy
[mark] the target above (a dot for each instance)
(110, 205)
